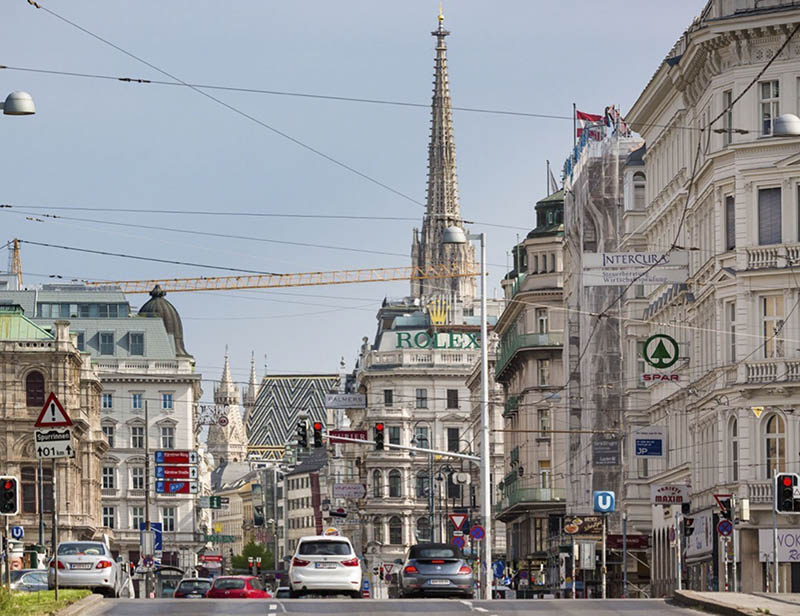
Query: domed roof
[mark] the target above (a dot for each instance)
(157, 306)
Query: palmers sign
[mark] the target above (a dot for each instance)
(439, 340)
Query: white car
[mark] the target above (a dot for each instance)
(325, 564)
(85, 564)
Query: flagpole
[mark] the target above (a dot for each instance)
(547, 180)
(574, 125)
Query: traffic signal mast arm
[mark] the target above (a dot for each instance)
(437, 452)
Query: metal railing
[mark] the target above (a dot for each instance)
(510, 344)
(531, 495)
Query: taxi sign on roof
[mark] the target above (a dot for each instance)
(53, 414)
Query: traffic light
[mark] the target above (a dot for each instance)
(317, 434)
(688, 527)
(9, 495)
(785, 485)
(379, 437)
(302, 435)
(725, 509)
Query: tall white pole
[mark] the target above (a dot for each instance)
(603, 567)
(486, 473)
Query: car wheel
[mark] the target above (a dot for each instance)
(356, 594)
(294, 594)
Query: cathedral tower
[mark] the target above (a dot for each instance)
(227, 440)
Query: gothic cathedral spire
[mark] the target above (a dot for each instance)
(442, 208)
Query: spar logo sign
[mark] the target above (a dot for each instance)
(661, 352)
(669, 495)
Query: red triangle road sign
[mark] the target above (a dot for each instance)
(53, 415)
(458, 519)
(388, 567)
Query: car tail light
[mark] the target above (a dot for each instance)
(410, 569)
(178, 595)
(437, 562)
(104, 564)
(464, 570)
(59, 563)
(353, 562)
(299, 562)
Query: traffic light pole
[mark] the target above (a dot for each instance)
(733, 539)
(55, 527)
(6, 561)
(776, 584)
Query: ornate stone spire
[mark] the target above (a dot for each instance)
(227, 441)
(442, 207)
(227, 393)
(250, 395)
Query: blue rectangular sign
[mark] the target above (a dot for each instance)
(156, 528)
(649, 447)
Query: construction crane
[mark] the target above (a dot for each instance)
(277, 281)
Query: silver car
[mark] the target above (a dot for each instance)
(436, 569)
(85, 564)
(30, 580)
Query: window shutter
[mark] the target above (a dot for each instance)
(730, 223)
(769, 216)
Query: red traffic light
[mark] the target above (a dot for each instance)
(8, 484)
(379, 427)
(787, 481)
(317, 425)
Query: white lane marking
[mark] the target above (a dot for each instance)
(480, 609)
(273, 606)
(465, 602)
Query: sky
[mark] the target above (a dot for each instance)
(112, 146)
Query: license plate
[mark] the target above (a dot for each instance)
(440, 582)
(325, 565)
(80, 565)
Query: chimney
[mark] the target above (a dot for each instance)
(62, 331)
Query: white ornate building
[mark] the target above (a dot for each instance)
(227, 439)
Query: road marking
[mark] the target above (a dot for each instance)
(465, 602)
(273, 606)
(480, 609)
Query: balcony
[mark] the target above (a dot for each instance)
(523, 497)
(772, 371)
(144, 366)
(760, 492)
(772, 257)
(422, 358)
(511, 344)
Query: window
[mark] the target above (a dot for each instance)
(108, 517)
(770, 96)
(388, 397)
(109, 482)
(769, 216)
(394, 435)
(166, 402)
(544, 423)
(137, 478)
(108, 431)
(422, 398)
(108, 401)
(377, 483)
(421, 437)
(733, 435)
(453, 438)
(395, 484)
(772, 324)
(81, 341)
(395, 531)
(775, 445)
(544, 473)
(541, 321)
(423, 484)
(136, 341)
(34, 389)
(168, 519)
(106, 343)
(452, 398)
(137, 516)
(137, 437)
(727, 118)
(377, 530)
(544, 371)
(730, 317)
(641, 364)
(136, 401)
(730, 222)
(167, 437)
(423, 529)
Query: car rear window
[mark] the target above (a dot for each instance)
(434, 552)
(324, 548)
(190, 585)
(228, 583)
(75, 549)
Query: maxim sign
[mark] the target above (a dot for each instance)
(669, 495)
(439, 340)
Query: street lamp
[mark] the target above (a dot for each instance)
(18, 103)
(786, 125)
(456, 235)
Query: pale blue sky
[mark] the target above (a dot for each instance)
(107, 144)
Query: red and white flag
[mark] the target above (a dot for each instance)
(590, 121)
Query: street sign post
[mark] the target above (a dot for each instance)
(459, 542)
(176, 472)
(53, 414)
(176, 487)
(725, 528)
(458, 519)
(53, 443)
(176, 457)
(477, 532)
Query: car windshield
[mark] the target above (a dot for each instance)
(15, 575)
(256, 584)
(433, 552)
(228, 584)
(79, 549)
(192, 585)
(324, 548)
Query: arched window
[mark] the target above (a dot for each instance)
(377, 530)
(639, 183)
(423, 529)
(395, 531)
(377, 483)
(423, 484)
(775, 445)
(733, 436)
(395, 486)
(34, 389)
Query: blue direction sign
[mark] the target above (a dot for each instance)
(604, 501)
(477, 532)
(459, 542)
(156, 528)
(17, 532)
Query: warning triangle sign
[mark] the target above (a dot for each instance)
(458, 519)
(53, 415)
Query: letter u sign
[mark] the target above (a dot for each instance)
(604, 501)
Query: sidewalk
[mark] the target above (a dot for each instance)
(737, 603)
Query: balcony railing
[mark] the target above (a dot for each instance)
(144, 366)
(531, 495)
(772, 371)
(511, 344)
(412, 358)
(770, 257)
(760, 492)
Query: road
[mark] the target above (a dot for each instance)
(396, 607)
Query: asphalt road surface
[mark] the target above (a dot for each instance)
(395, 607)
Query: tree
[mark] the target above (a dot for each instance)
(253, 550)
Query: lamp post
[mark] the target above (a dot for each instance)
(427, 445)
(456, 235)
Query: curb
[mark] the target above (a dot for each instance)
(690, 599)
(85, 604)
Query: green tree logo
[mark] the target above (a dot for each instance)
(661, 357)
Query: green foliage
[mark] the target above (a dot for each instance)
(255, 550)
(37, 603)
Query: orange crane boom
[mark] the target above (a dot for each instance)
(276, 281)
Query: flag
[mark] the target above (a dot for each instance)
(614, 120)
(590, 121)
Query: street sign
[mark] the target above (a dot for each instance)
(477, 532)
(458, 533)
(349, 490)
(604, 501)
(204, 502)
(649, 441)
(53, 415)
(721, 499)
(725, 528)
(176, 457)
(388, 567)
(53, 443)
(157, 539)
(660, 351)
(458, 519)
(345, 401)
(176, 472)
(176, 487)
(459, 542)
(17, 532)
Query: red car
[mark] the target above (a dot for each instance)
(237, 587)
